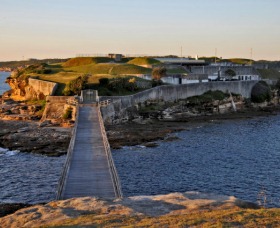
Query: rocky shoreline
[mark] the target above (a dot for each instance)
(21, 130)
(51, 139)
(132, 134)
(28, 136)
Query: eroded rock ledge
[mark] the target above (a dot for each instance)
(184, 209)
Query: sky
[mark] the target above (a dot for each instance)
(66, 28)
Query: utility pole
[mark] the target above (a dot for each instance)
(181, 55)
(215, 55)
(181, 52)
(251, 56)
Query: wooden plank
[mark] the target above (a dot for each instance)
(89, 172)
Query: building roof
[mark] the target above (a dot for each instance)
(183, 61)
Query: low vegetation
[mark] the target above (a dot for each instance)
(269, 74)
(75, 86)
(261, 92)
(68, 114)
(118, 86)
(207, 97)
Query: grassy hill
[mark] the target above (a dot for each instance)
(239, 61)
(109, 68)
(15, 64)
(80, 61)
(140, 61)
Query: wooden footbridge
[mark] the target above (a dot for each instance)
(89, 169)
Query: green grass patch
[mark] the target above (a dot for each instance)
(178, 70)
(101, 68)
(61, 78)
(129, 69)
(109, 68)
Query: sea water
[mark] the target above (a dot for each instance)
(3, 86)
(239, 158)
(28, 178)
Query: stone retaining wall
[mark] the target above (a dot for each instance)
(44, 87)
(172, 93)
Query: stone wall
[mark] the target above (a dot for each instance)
(42, 87)
(239, 70)
(56, 107)
(171, 93)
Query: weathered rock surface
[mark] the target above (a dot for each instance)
(27, 136)
(89, 211)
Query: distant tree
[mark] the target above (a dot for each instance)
(104, 81)
(131, 85)
(261, 92)
(158, 73)
(277, 86)
(75, 86)
(230, 72)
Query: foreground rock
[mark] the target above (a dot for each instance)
(28, 136)
(172, 210)
(6, 209)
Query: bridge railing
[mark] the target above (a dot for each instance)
(113, 170)
(105, 102)
(66, 166)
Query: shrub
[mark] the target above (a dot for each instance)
(158, 72)
(156, 82)
(102, 91)
(75, 86)
(68, 113)
(261, 92)
(104, 81)
(207, 97)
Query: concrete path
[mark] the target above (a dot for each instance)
(88, 173)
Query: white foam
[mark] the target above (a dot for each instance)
(7, 152)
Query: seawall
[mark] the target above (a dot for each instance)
(44, 87)
(172, 93)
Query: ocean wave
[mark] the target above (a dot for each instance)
(7, 152)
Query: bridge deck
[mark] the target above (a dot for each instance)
(89, 172)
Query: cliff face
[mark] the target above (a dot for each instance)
(29, 89)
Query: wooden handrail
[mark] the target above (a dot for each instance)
(113, 170)
(66, 166)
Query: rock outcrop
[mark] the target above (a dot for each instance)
(29, 88)
(160, 210)
(30, 137)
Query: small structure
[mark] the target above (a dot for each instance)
(179, 79)
(116, 57)
(219, 73)
(182, 61)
